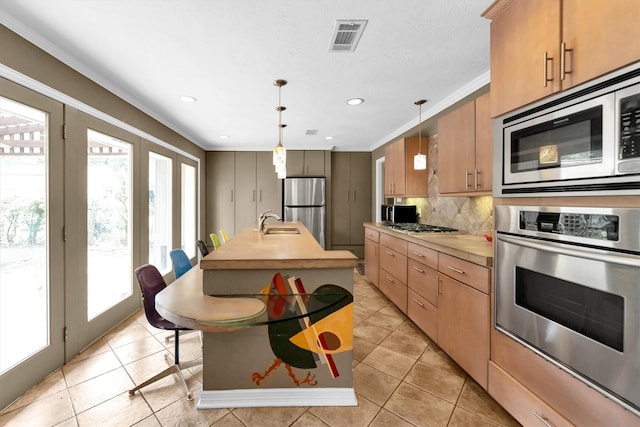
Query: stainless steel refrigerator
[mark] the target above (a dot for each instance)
(304, 201)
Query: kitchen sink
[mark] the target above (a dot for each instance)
(281, 230)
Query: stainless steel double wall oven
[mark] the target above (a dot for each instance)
(568, 286)
(567, 279)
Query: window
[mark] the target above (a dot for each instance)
(188, 206)
(160, 206)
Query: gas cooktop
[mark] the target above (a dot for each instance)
(420, 228)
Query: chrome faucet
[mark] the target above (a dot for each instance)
(262, 219)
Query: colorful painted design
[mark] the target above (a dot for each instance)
(310, 340)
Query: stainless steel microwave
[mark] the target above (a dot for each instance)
(585, 141)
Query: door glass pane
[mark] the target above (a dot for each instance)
(160, 170)
(188, 203)
(24, 285)
(109, 242)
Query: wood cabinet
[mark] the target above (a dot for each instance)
(400, 179)
(464, 315)
(393, 270)
(371, 255)
(422, 283)
(220, 200)
(465, 149)
(523, 405)
(541, 47)
(350, 200)
(240, 185)
(305, 163)
(257, 187)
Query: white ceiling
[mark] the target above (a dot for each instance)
(227, 53)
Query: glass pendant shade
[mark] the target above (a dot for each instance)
(420, 161)
(279, 152)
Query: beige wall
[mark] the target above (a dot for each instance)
(25, 58)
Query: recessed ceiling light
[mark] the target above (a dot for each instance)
(355, 101)
(224, 136)
(328, 137)
(186, 98)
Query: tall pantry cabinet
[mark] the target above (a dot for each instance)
(351, 200)
(240, 185)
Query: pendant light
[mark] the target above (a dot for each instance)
(420, 160)
(279, 152)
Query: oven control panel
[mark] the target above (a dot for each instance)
(587, 225)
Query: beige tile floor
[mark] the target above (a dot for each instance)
(400, 376)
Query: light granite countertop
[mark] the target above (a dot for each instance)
(472, 248)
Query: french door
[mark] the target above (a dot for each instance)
(31, 239)
(101, 209)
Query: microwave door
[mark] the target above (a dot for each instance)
(575, 142)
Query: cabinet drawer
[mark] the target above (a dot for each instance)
(423, 314)
(394, 289)
(467, 272)
(424, 255)
(523, 405)
(372, 234)
(423, 280)
(394, 243)
(394, 262)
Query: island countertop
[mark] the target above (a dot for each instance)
(251, 249)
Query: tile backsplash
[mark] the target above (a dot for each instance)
(473, 215)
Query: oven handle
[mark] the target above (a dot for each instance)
(622, 259)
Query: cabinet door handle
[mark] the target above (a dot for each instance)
(418, 302)
(439, 285)
(419, 270)
(418, 254)
(390, 253)
(475, 178)
(261, 195)
(545, 75)
(466, 179)
(390, 279)
(231, 196)
(544, 420)
(254, 196)
(455, 269)
(563, 54)
(354, 196)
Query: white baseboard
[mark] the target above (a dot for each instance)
(253, 398)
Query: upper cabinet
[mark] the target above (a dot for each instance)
(305, 162)
(465, 149)
(400, 179)
(542, 47)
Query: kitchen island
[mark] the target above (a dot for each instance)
(300, 352)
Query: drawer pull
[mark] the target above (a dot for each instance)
(418, 302)
(455, 269)
(419, 270)
(543, 420)
(390, 253)
(390, 279)
(418, 254)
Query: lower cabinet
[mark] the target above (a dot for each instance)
(393, 270)
(463, 326)
(523, 405)
(371, 255)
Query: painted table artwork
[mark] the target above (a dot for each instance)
(299, 351)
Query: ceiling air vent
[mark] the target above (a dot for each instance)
(312, 132)
(346, 35)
